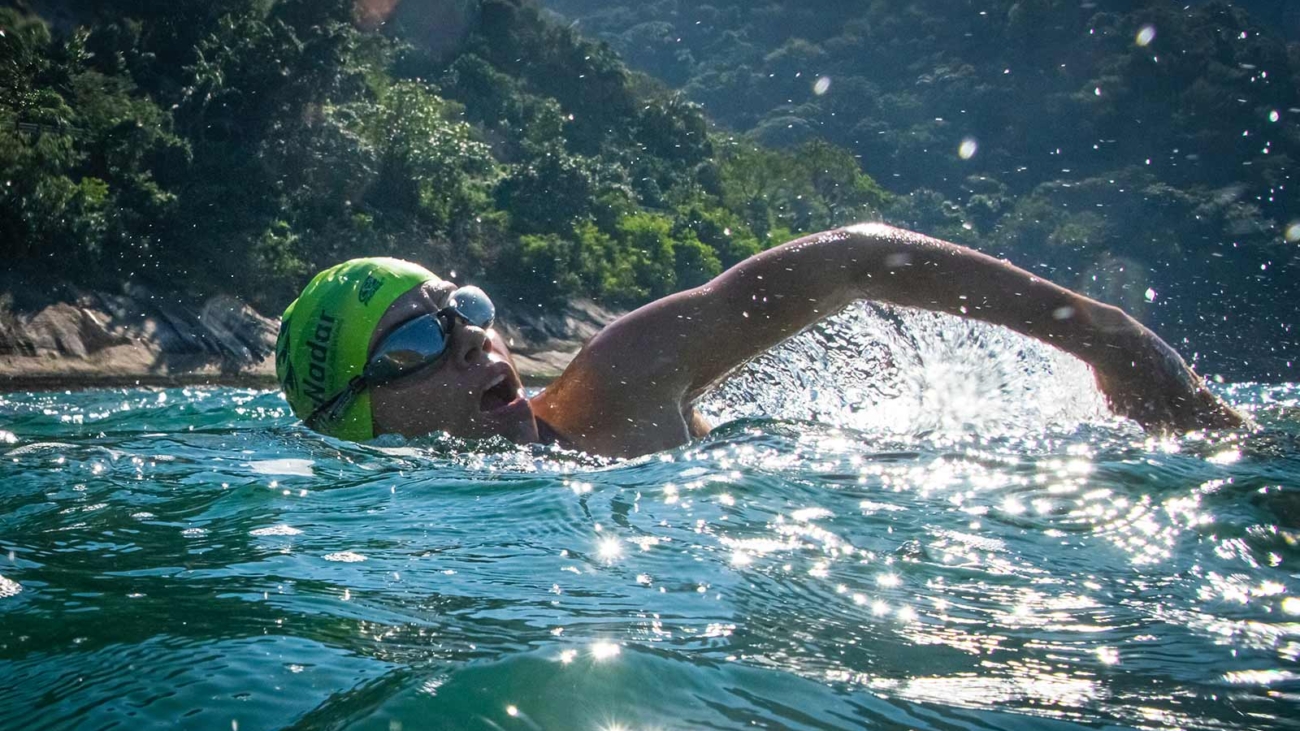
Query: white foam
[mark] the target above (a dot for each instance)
(292, 467)
(275, 530)
(9, 587)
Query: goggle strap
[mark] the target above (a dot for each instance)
(333, 409)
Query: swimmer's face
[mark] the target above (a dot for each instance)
(473, 391)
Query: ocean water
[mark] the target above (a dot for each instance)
(904, 522)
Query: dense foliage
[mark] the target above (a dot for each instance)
(242, 145)
(1142, 152)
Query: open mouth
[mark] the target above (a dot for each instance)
(500, 393)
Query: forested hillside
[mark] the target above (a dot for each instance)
(1141, 151)
(242, 145)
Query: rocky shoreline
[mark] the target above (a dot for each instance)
(66, 337)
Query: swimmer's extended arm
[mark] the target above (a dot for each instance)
(1141, 375)
(672, 350)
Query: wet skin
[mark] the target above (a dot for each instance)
(630, 390)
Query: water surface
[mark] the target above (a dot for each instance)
(941, 528)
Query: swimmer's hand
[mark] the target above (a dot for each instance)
(1146, 380)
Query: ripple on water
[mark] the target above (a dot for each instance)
(780, 574)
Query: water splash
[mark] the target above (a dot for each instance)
(896, 371)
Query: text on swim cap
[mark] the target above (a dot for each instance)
(318, 345)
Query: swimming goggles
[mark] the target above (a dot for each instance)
(419, 342)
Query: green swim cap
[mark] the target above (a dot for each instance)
(325, 336)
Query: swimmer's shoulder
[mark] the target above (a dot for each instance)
(623, 425)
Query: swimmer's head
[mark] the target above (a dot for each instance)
(367, 315)
(325, 337)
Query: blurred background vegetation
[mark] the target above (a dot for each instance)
(242, 145)
(1141, 152)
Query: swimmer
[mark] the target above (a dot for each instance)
(379, 346)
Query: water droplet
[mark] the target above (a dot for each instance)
(968, 148)
(1146, 35)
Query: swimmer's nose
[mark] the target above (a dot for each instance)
(469, 343)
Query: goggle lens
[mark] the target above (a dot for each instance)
(410, 346)
(423, 340)
(474, 305)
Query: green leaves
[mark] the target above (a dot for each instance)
(813, 187)
(79, 195)
(428, 160)
(243, 145)
(548, 193)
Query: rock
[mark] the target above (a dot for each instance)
(544, 341)
(70, 337)
(63, 336)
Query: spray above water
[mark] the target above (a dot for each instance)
(889, 370)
